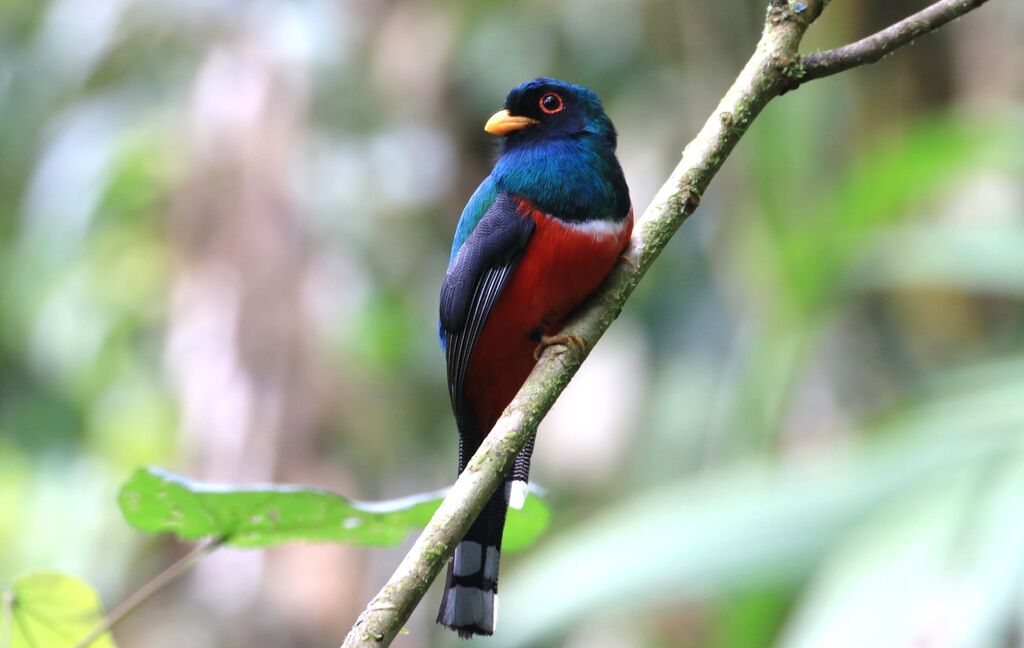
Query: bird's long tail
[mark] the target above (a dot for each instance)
(470, 602)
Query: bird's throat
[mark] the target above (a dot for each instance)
(572, 179)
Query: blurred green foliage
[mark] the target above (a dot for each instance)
(946, 479)
(222, 231)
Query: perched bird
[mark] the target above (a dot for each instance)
(538, 236)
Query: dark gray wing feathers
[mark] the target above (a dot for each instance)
(474, 283)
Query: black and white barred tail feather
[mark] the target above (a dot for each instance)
(470, 602)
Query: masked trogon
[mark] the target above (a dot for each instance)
(537, 237)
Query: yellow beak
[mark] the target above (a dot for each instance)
(502, 123)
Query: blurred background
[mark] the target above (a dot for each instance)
(223, 228)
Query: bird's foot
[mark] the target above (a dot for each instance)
(563, 340)
(628, 261)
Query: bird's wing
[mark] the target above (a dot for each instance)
(476, 276)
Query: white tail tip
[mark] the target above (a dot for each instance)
(517, 495)
(471, 608)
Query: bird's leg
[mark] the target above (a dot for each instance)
(562, 339)
(624, 257)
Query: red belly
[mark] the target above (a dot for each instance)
(562, 265)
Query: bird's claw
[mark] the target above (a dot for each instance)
(563, 340)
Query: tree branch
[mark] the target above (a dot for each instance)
(875, 47)
(773, 69)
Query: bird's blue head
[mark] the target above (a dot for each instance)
(558, 150)
(549, 109)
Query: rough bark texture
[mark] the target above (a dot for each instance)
(774, 68)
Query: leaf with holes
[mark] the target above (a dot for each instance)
(263, 515)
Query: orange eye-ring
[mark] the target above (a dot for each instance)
(551, 103)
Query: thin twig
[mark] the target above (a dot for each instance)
(773, 69)
(147, 591)
(876, 46)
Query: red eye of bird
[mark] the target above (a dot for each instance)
(551, 103)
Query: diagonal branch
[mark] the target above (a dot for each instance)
(875, 47)
(774, 68)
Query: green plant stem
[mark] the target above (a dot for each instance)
(147, 591)
(774, 68)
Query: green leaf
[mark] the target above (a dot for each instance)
(263, 515)
(48, 610)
